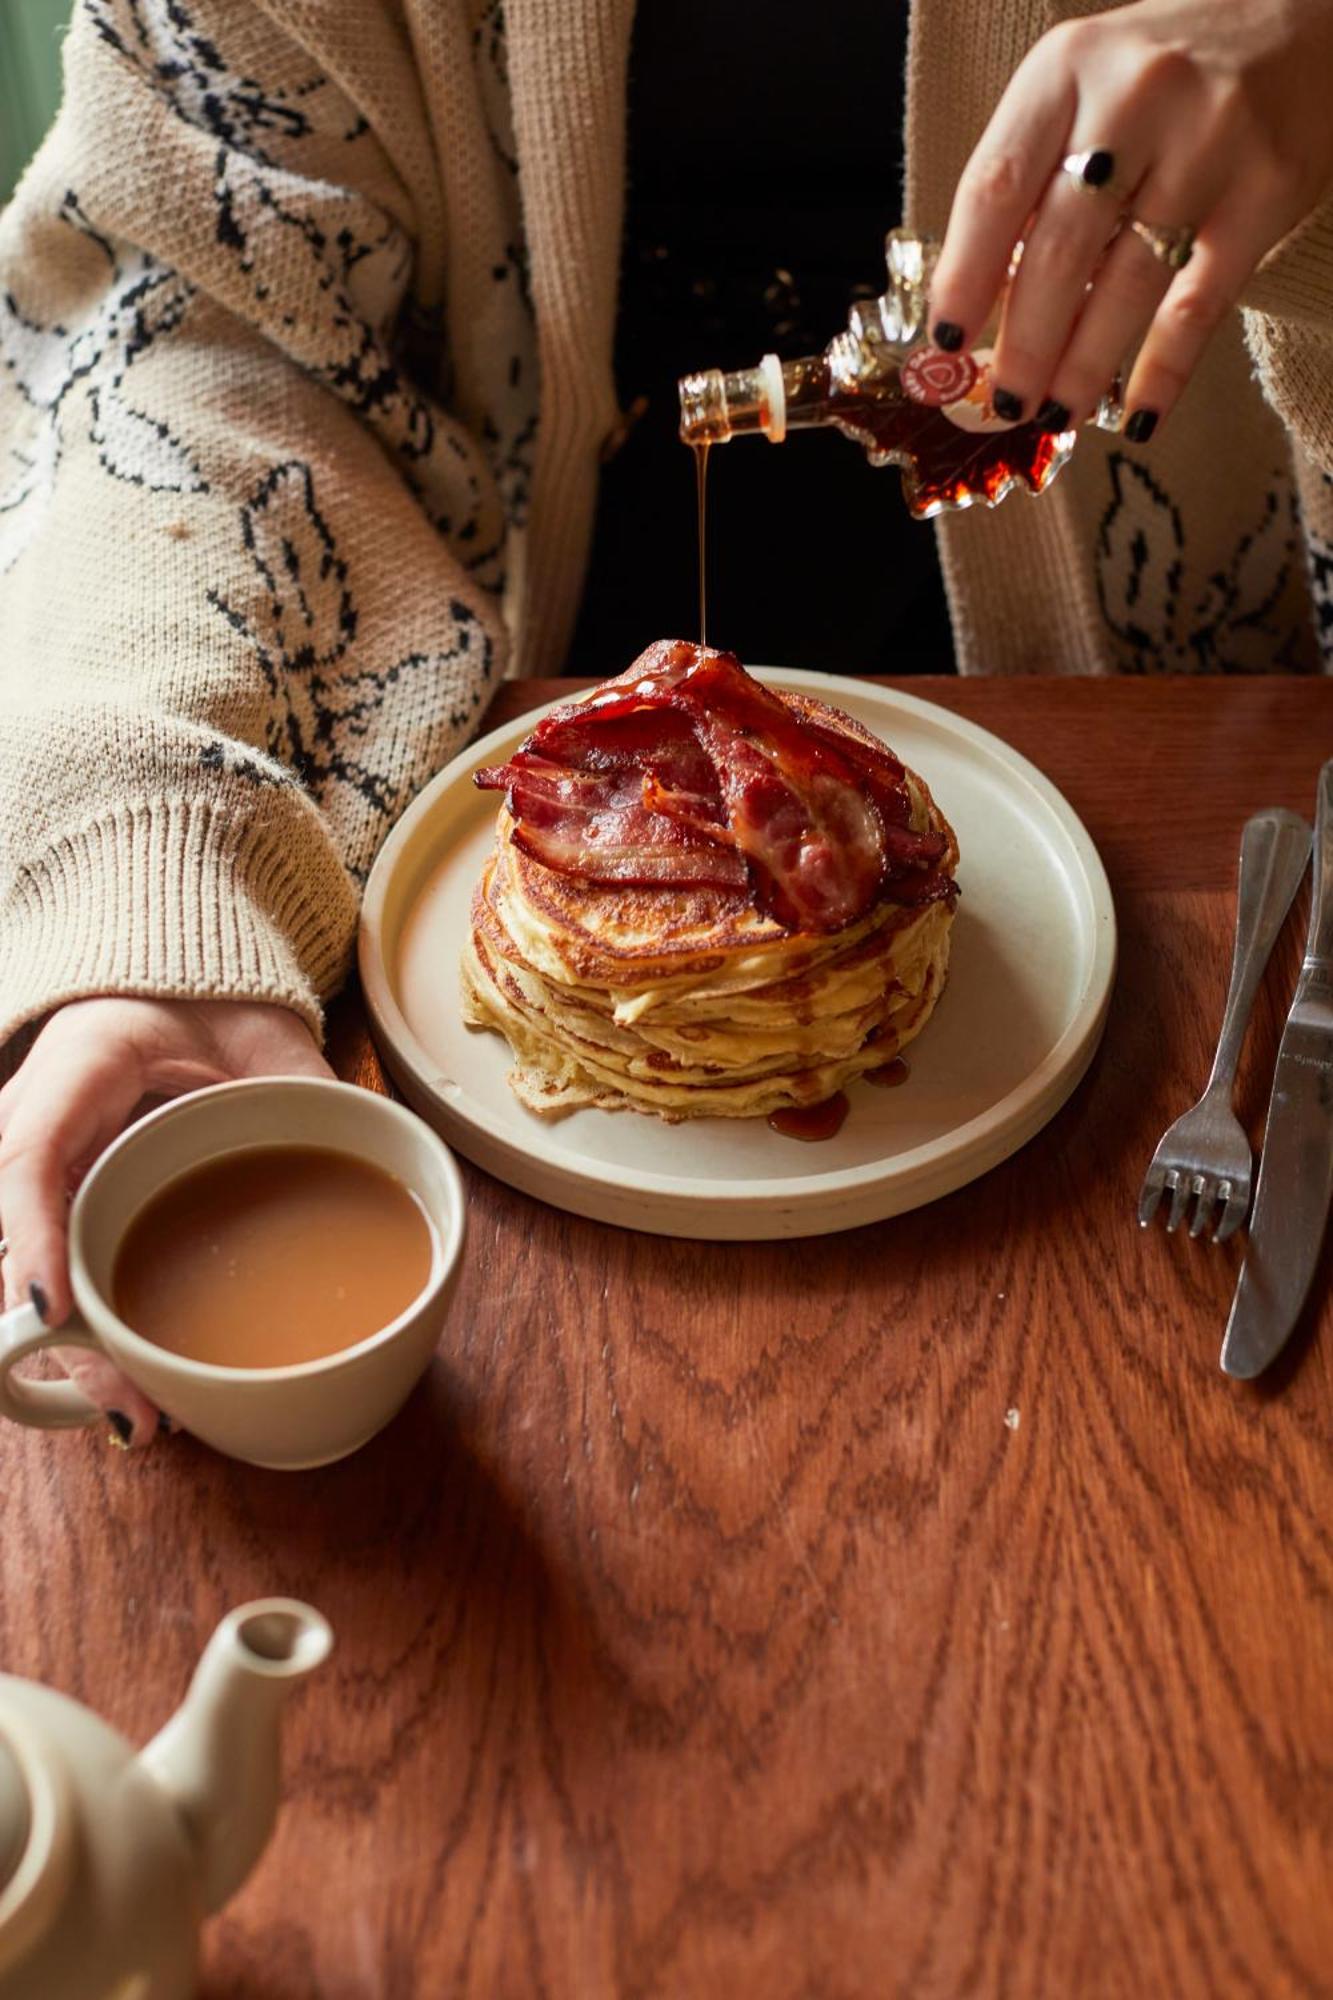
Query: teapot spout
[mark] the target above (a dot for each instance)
(218, 1757)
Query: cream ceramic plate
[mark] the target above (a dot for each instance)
(1030, 979)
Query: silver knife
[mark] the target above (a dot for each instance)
(1296, 1170)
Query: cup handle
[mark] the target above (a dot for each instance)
(49, 1406)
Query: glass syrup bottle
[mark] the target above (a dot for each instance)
(906, 402)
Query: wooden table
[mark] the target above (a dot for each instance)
(912, 1612)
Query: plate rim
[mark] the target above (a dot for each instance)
(997, 1132)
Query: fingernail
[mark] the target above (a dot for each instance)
(948, 335)
(1053, 416)
(1141, 426)
(122, 1428)
(38, 1297)
(1007, 405)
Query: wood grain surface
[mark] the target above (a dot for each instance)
(915, 1612)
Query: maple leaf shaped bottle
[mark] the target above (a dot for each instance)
(906, 402)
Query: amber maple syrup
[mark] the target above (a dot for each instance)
(890, 1075)
(811, 1121)
(951, 453)
(701, 497)
(906, 402)
(944, 465)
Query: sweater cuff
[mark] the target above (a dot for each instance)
(177, 899)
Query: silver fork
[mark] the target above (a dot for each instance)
(1206, 1155)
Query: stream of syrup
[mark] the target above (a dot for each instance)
(701, 490)
(793, 1121)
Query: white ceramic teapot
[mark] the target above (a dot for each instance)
(109, 1861)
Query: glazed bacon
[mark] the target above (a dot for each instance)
(685, 771)
(631, 800)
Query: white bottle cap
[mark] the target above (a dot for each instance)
(775, 396)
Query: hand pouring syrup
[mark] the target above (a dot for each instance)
(904, 401)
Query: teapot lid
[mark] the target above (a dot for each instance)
(15, 1814)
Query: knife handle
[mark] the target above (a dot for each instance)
(1319, 944)
(1274, 849)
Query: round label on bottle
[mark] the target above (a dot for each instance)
(972, 411)
(932, 377)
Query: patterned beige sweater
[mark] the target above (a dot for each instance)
(305, 331)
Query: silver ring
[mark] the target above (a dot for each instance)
(4, 1247)
(1171, 243)
(1092, 172)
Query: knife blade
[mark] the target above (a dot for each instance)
(1296, 1168)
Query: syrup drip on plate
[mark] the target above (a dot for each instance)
(810, 1121)
(823, 1121)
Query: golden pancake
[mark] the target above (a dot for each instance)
(691, 1002)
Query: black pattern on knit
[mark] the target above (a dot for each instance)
(1234, 622)
(289, 231)
(335, 728)
(49, 362)
(1319, 555)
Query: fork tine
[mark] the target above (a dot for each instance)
(1206, 1192)
(1237, 1199)
(1180, 1186)
(1150, 1194)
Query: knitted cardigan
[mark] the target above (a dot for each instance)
(306, 320)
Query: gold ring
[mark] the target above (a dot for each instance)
(1171, 243)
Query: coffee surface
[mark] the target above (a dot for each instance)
(270, 1256)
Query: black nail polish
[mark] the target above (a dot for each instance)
(1141, 426)
(1052, 416)
(1098, 168)
(121, 1425)
(1007, 405)
(948, 335)
(38, 1297)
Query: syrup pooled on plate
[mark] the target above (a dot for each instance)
(811, 1121)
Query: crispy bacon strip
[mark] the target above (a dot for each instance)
(632, 801)
(685, 770)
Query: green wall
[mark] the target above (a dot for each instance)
(30, 34)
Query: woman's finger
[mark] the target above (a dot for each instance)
(1062, 251)
(1131, 281)
(1000, 186)
(75, 1109)
(131, 1418)
(9, 1096)
(77, 1100)
(1236, 236)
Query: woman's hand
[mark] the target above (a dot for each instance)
(91, 1066)
(1216, 115)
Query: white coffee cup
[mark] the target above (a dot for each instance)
(305, 1414)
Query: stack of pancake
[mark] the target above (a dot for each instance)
(693, 1000)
